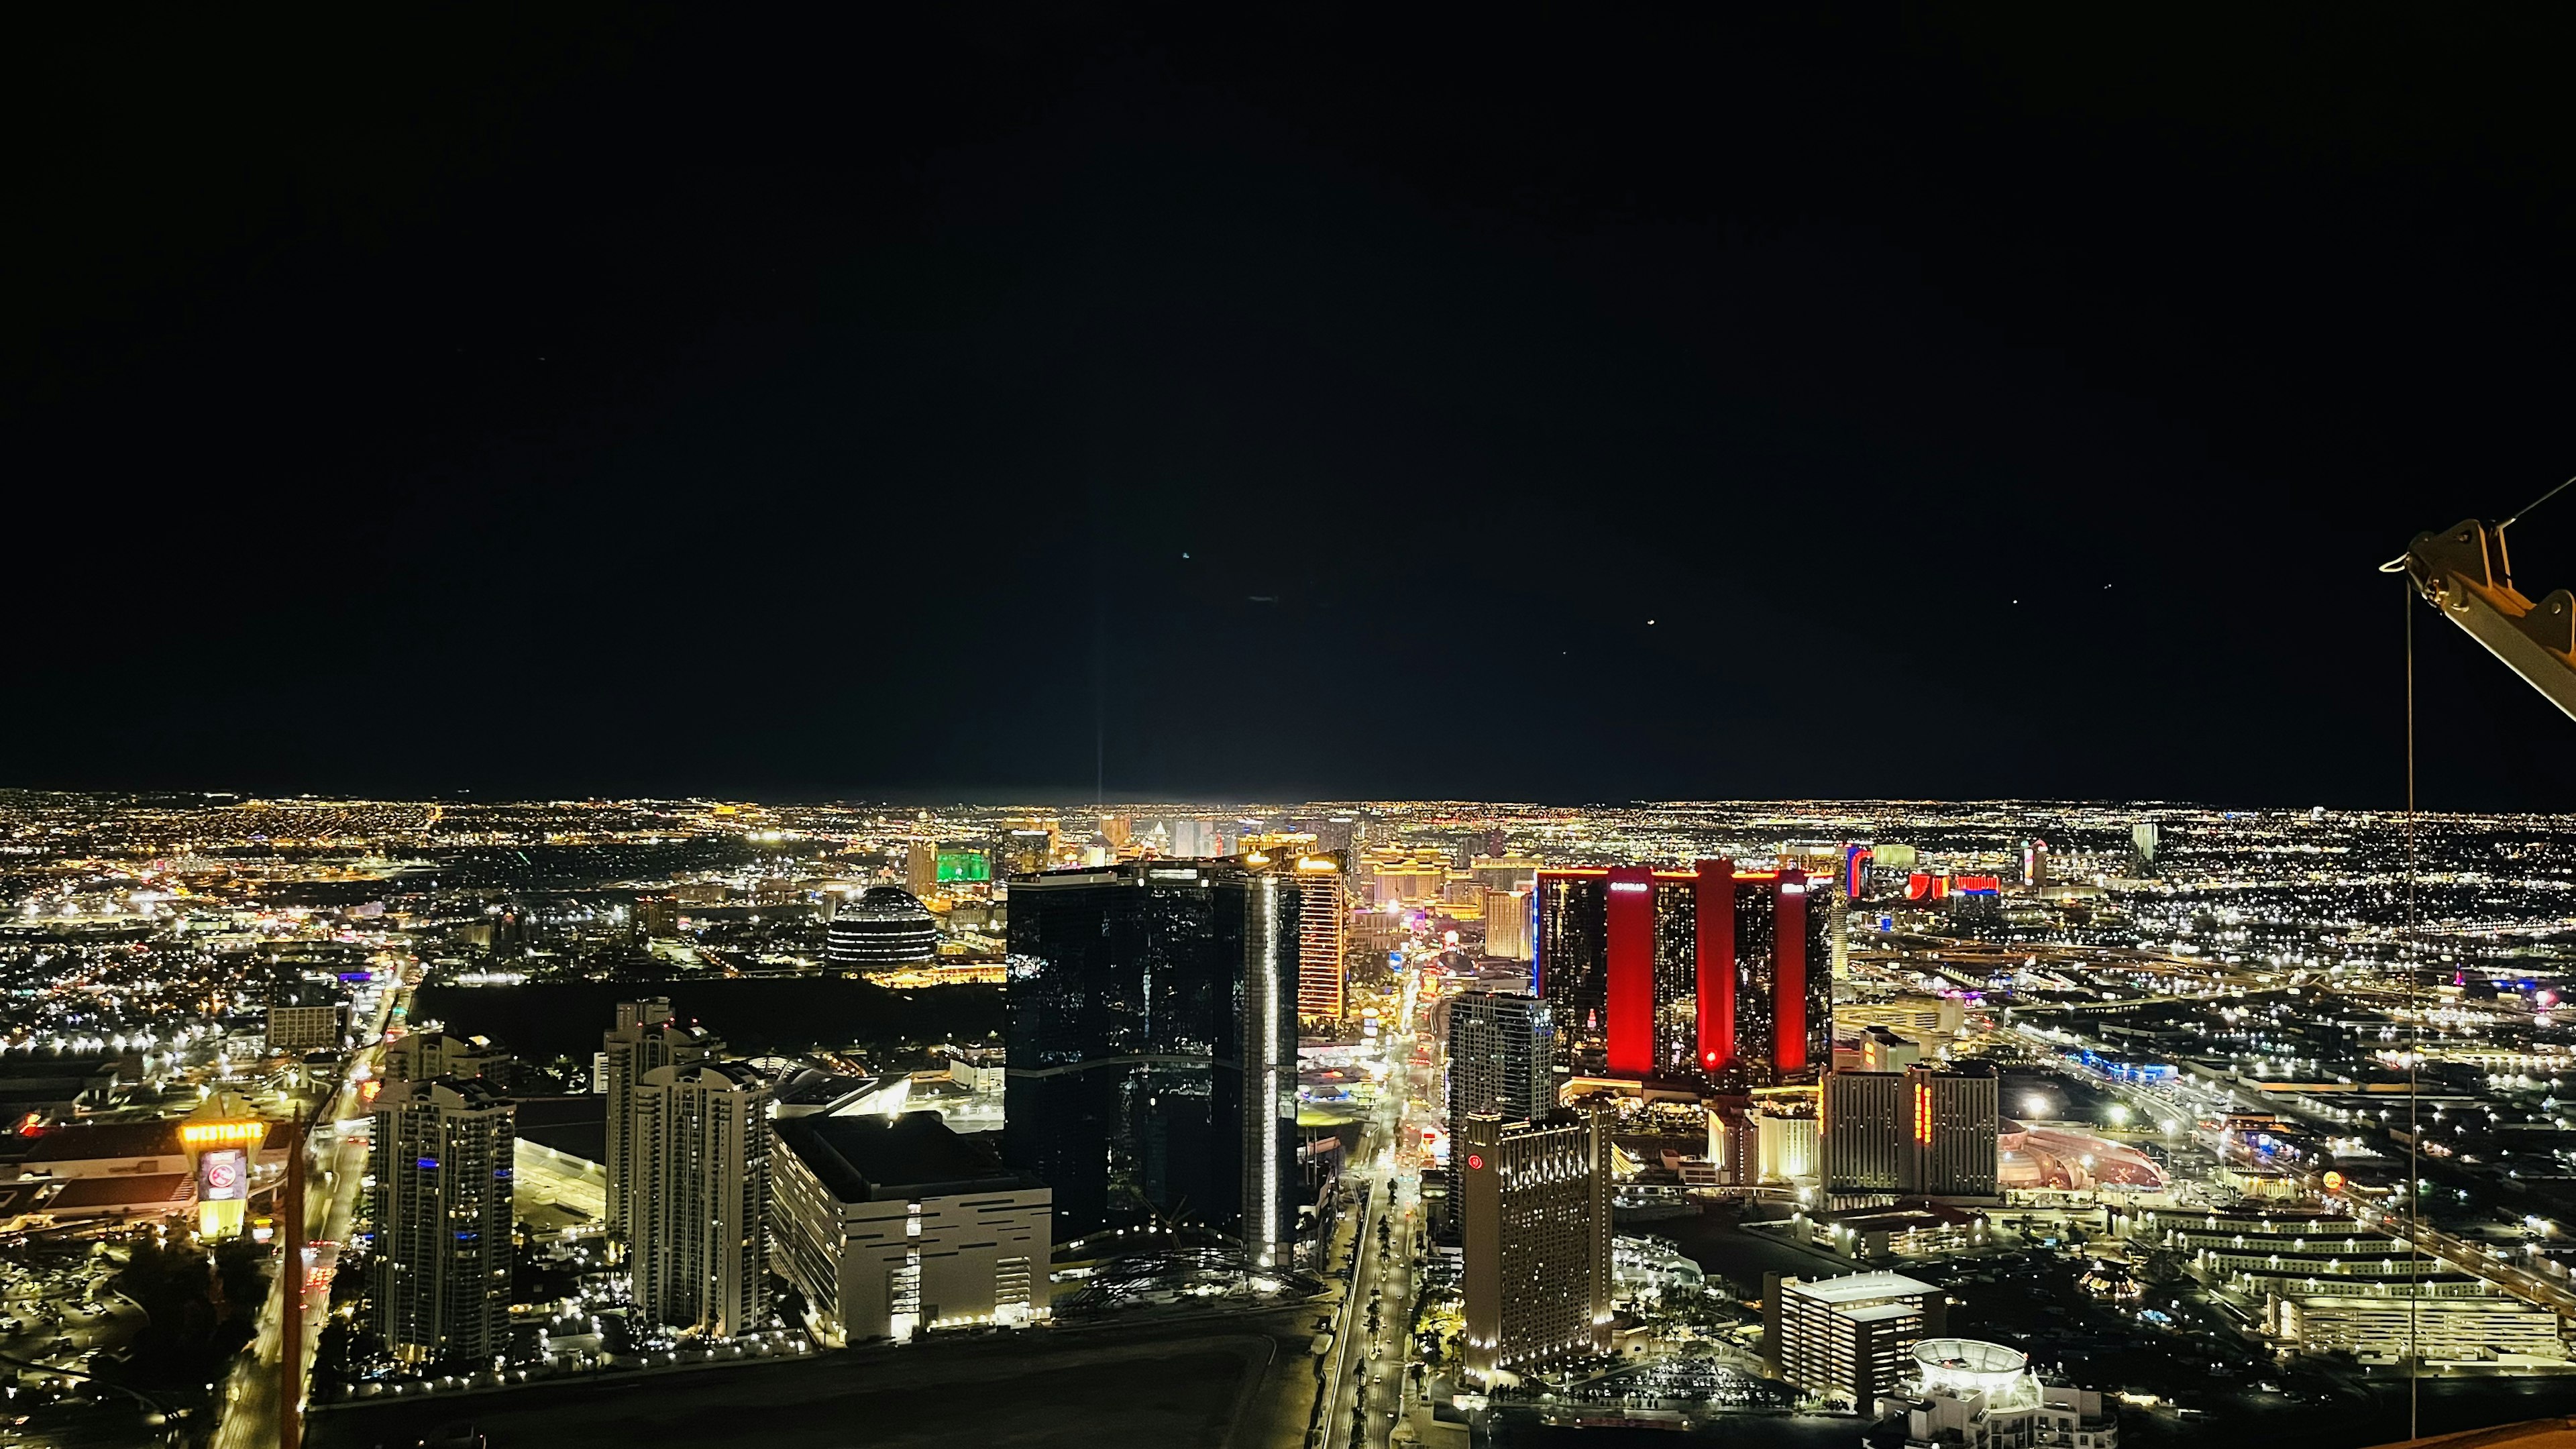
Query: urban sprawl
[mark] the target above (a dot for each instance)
(1982, 1125)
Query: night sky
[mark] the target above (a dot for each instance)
(1321, 402)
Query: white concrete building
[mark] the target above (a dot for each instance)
(1968, 1394)
(889, 1226)
(698, 1140)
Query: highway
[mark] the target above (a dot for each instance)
(335, 1163)
(1372, 1347)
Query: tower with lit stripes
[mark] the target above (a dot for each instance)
(1712, 973)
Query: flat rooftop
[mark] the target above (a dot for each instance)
(1861, 1287)
(864, 1158)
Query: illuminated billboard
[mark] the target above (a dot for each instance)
(223, 1176)
(219, 1138)
(965, 865)
(223, 1191)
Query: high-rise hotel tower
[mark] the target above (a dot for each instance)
(1153, 1046)
(1712, 973)
(1535, 1265)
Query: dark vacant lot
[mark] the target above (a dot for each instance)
(1165, 1388)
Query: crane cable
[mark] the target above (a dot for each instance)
(2397, 565)
(2414, 1055)
(2407, 940)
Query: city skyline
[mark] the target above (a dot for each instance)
(1314, 727)
(2254, 1112)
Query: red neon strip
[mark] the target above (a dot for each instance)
(1716, 901)
(1789, 976)
(1631, 928)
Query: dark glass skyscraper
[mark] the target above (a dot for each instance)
(1502, 1060)
(1502, 1052)
(1708, 973)
(1153, 1046)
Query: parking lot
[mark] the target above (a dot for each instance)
(58, 1310)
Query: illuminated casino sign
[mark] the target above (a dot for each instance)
(223, 1176)
(219, 1139)
(1476, 1161)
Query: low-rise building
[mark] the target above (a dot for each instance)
(2480, 1327)
(889, 1226)
(1966, 1394)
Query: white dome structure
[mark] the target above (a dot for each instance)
(1970, 1366)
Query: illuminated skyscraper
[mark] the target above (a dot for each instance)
(698, 1137)
(441, 1166)
(2034, 862)
(1535, 1200)
(1921, 1132)
(921, 866)
(1501, 1057)
(1502, 1060)
(1026, 849)
(1153, 1046)
(1707, 973)
(1507, 924)
(1321, 909)
(1505, 872)
(644, 1038)
(1856, 863)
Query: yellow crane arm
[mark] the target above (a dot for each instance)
(2464, 572)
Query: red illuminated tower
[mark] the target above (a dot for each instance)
(1709, 973)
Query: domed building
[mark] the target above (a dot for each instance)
(1969, 1394)
(884, 927)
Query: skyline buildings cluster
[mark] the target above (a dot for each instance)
(1130, 1078)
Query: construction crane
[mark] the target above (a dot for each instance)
(2465, 572)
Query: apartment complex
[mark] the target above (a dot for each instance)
(644, 1038)
(698, 1144)
(442, 1163)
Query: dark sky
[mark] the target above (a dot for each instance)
(1321, 402)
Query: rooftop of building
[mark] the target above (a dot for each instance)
(884, 903)
(812, 1088)
(101, 1194)
(730, 1075)
(1861, 1287)
(1879, 1312)
(862, 1159)
(87, 1141)
(470, 1093)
